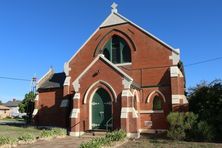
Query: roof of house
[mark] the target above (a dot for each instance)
(56, 80)
(2, 107)
(13, 103)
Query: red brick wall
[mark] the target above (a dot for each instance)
(109, 75)
(148, 53)
(150, 68)
(50, 113)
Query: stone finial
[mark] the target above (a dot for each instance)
(114, 7)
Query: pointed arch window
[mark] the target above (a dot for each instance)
(117, 50)
(157, 103)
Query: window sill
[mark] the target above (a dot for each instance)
(123, 64)
(150, 111)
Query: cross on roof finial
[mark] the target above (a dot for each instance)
(114, 7)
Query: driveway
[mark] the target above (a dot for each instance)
(8, 122)
(67, 142)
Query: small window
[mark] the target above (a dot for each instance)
(64, 103)
(117, 50)
(157, 103)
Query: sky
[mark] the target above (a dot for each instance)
(38, 34)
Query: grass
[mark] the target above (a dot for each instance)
(18, 134)
(15, 132)
(151, 142)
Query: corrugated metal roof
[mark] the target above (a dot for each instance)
(2, 107)
(13, 103)
(55, 81)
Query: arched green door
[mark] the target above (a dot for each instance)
(101, 109)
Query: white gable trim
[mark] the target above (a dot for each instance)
(113, 19)
(76, 84)
(45, 77)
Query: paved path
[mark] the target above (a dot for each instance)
(67, 142)
(8, 122)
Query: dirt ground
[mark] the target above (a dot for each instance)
(67, 142)
(152, 142)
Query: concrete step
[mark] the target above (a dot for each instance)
(91, 134)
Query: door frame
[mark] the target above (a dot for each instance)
(90, 106)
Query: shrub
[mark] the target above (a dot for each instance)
(7, 140)
(203, 131)
(26, 137)
(46, 133)
(205, 100)
(180, 123)
(116, 135)
(101, 141)
(59, 131)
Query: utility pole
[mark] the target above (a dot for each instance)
(34, 81)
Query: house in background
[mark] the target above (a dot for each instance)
(4, 111)
(14, 108)
(123, 77)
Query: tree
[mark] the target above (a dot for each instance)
(0, 102)
(27, 105)
(205, 100)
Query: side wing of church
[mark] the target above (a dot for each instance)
(122, 77)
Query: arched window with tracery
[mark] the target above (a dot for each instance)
(117, 50)
(157, 103)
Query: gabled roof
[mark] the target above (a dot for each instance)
(101, 56)
(13, 103)
(2, 107)
(114, 19)
(56, 80)
(45, 77)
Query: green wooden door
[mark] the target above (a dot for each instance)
(101, 109)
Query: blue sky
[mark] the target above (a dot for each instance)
(37, 34)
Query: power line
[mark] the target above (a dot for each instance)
(187, 65)
(18, 79)
(204, 61)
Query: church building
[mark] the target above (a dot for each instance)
(122, 77)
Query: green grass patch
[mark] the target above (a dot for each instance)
(13, 134)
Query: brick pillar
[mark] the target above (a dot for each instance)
(75, 117)
(179, 100)
(129, 116)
